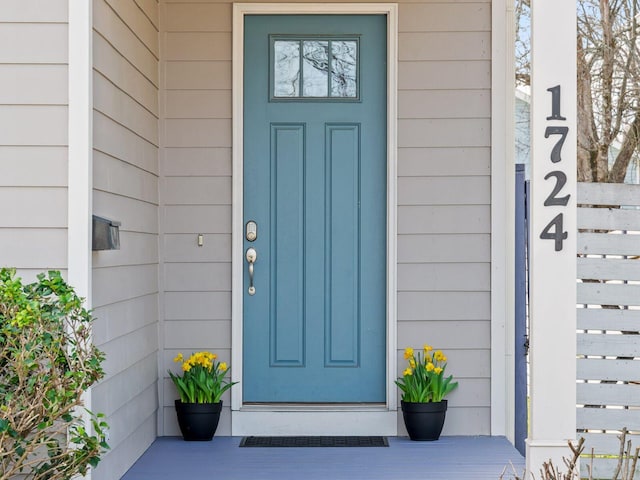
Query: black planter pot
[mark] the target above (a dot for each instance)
(424, 421)
(198, 421)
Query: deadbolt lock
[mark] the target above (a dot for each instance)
(252, 231)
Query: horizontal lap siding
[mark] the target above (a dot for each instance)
(444, 202)
(444, 190)
(125, 181)
(33, 135)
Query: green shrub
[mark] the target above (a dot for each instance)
(47, 361)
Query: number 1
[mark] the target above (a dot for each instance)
(555, 103)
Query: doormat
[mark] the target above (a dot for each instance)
(314, 442)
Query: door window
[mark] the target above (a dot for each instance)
(314, 68)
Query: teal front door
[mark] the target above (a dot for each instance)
(314, 326)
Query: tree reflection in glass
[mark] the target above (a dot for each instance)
(343, 68)
(315, 66)
(319, 57)
(286, 68)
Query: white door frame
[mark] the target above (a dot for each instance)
(502, 219)
(329, 420)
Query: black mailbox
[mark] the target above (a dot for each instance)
(106, 234)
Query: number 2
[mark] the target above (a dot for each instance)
(561, 180)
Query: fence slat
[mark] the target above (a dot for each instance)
(608, 319)
(603, 468)
(608, 219)
(606, 443)
(608, 294)
(616, 210)
(609, 345)
(608, 244)
(609, 268)
(608, 369)
(608, 418)
(609, 394)
(608, 194)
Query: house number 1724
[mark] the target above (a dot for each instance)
(554, 229)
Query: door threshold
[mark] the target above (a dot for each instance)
(314, 407)
(345, 420)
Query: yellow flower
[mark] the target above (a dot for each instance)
(437, 370)
(430, 367)
(178, 358)
(186, 366)
(438, 355)
(408, 371)
(408, 353)
(427, 348)
(222, 367)
(412, 362)
(202, 358)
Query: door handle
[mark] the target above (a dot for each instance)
(251, 257)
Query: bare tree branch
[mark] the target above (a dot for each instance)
(629, 148)
(608, 84)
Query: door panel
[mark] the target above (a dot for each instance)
(342, 292)
(315, 184)
(287, 221)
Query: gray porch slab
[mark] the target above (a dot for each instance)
(452, 458)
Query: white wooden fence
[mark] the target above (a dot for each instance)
(608, 387)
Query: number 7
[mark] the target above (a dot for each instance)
(557, 148)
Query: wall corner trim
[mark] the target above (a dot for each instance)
(502, 220)
(80, 145)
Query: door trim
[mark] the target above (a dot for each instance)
(245, 421)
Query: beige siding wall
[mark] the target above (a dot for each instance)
(444, 199)
(196, 187)
(33, 135)
(125, 180)
(444, 190)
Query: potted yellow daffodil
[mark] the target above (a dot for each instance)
(200, 387)
(424, 386)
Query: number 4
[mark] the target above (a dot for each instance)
(558, 235)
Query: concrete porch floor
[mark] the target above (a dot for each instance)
(450, 458)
